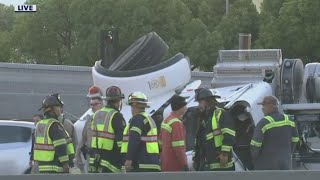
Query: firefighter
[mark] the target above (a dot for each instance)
(217, 134)
(107, 126)
(140, 138)
(274, 138)
(67, 124)
(96, 103)
(172, 138)
(70, 133)
(52, 148)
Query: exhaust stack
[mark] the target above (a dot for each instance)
(244, 44)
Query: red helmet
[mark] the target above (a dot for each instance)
(114, 93)
(94, 92)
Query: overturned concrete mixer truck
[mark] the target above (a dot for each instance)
(241, 77)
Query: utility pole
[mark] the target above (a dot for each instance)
(227, 7)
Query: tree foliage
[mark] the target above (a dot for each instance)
(295, 30)
(243, 18)
(68, 31)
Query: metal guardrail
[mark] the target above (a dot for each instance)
(252, 175)
(44, 67)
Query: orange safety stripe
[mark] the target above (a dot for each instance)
(103, 134)
(45, 147)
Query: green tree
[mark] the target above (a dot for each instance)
(243, 18)
(299, 27)
(295, 31)
(209, 11)
(46, 36)
(206, 50)
(7, 18)
(268, 17)
(171, 19)
(271, 7)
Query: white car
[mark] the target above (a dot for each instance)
(15, 145)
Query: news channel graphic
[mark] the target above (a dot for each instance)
(25, 8)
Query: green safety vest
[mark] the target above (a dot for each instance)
(44, 147)
(216, 133)
(151, 139)
(103, 136)
(167, 126)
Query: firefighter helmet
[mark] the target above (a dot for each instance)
(50, 101)
(138, 98)
(94, 92)
(203, 93)
(114, 93)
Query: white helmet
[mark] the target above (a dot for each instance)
(138, 98)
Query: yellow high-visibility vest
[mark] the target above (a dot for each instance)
(103, 132)
(151, 139)
(43, 147)
(216, 133)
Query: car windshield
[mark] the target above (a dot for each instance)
(12, 134)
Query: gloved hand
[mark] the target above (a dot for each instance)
(223, 157)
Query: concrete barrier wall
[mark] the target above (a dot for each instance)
(23, 87)
(252, 175)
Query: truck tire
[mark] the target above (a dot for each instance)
(145, 52)
(291, 80)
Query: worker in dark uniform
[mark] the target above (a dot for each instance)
(200, 140)
(219, 133)
(274, 138)
(107, 126)
(140, 138)
(69, 130)
(51, 149)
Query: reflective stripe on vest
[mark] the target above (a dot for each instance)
(218, 166)
(103, 135)
(273, 124)
(151, 139)
(216, 133)
(168, 127)
(50, 168)
(43, 147)
(108, 165)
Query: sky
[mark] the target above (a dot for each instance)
(12, 2)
